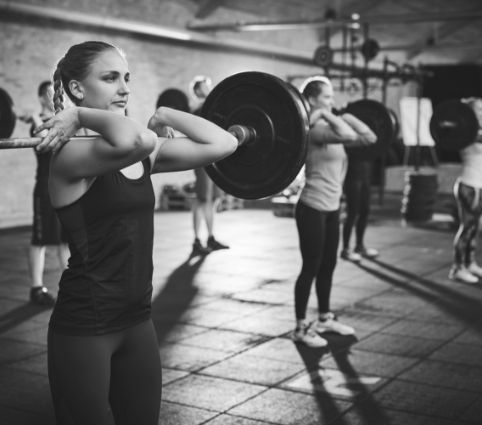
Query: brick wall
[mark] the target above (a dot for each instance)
(30, 47)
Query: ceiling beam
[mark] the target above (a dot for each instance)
(404, 47)
(433, 40)
(470, 15)
(361, 8)
(207, 7)
(12, 8)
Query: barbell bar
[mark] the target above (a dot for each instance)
(269, 118)
(243, 134)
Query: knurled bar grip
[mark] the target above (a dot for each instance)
(242, 133)
(31, 142)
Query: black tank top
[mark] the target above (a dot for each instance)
(108, 283)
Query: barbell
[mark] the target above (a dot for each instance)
(270, 120)
(454, 125)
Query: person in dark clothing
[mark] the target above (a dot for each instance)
(357, 196)
(46, 229)
(103, 354)
(207, 194)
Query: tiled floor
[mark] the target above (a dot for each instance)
(223, 324)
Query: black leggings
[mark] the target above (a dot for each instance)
(106, 379)
(469, 203)
(319, 232)
(357, 197)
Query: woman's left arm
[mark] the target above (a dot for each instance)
(365, 136)
(203, 144)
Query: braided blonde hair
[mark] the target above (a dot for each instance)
(58, 90)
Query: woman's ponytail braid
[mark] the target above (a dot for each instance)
(58, 90)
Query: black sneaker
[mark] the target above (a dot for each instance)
(199, 249)
(40, 295)
(214, 245)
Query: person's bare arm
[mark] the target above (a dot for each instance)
(121, 142)
(365, 135)
(330, 129)
(203, 142)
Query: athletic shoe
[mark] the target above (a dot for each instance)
(461, 274)
(475, 269)
(199, 249)
(367, 252)
(331, 324)
(349, 255)
(40, 295)
(307, 336)
(214, 245)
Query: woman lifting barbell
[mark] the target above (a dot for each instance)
(317, 211)
(103, 355)
(468, 195)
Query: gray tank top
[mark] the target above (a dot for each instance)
(325, 170)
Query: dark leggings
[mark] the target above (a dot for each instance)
(319, 233)
(469, 203)
(357, 197)
(106, 379)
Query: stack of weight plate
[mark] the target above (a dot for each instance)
(419, 196)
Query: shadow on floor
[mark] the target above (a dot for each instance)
(19, 315)
(458, 305)
(368, 410)
(176, 297)
(350, 384)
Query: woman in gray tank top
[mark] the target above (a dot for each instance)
(317, 211)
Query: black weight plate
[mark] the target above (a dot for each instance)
(370, 49)
(298, 94)
(453, 125)
(376, 116)
(267, 165)
(7, 116)
(323, 56)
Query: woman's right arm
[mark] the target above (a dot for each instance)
(121, 142)
(346, 129)
(202, 144)
(337, 130)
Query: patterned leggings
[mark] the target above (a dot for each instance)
(469, 203)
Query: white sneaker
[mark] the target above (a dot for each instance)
(367, 252)
(475, 269)
(331, 324)
(306, 335)
(461, 274)
(350, 255)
